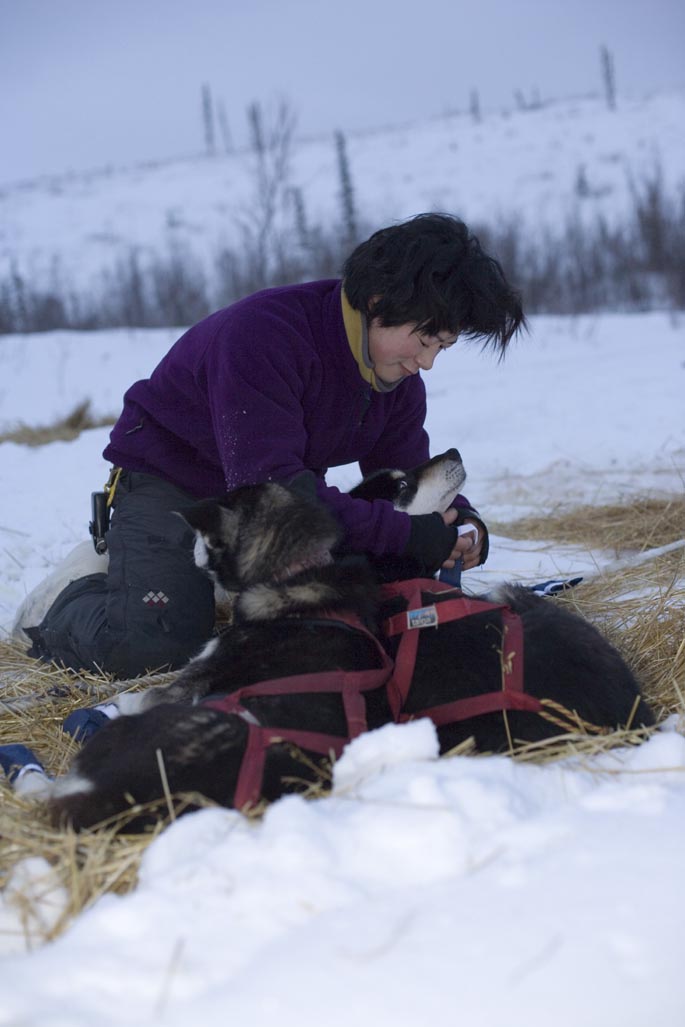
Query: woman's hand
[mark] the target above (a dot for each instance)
(469, 544)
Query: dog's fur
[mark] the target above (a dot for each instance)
(272, 548)
(422, 490)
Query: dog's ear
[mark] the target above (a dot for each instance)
(204, 517)
(217, 526)
(304, 484)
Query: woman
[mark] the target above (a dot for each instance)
(281, 386)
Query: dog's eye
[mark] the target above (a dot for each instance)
(403, 485)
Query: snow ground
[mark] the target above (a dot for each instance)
(423, 890)
(582, 410)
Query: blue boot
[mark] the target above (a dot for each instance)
(16, 760)
(83, 724)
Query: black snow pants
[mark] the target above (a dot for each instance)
(154, 609)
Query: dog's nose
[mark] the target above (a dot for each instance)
(453, 454)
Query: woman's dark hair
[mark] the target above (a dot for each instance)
(431, 271)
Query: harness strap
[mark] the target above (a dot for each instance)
(349, 684)
(405, 658)
(248, 787)
(410, 622)
(412, 588)
(464, 709)
(510, 697)
(396, 677)
(437, 613)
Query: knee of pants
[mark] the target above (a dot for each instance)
(160, 606)
(159, 647)
(158, 625)
(90, 628)
(74, 629)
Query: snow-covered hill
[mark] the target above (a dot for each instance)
(530, 167)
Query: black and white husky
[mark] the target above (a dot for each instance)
(421, 490)
(272, 549)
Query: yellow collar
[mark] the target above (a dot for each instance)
(358, 339)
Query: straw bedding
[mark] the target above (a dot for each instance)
(641, 609)
(65, 429)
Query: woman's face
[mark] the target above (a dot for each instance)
(399, 350)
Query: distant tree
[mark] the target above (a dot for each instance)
(300, 215)
(520, 100)
(255, 121)
(208, 119)
(523, 104)
(271, 141)
(582, 186)
(347, 203)
(608, 77)
(474, 106)
(223, 127)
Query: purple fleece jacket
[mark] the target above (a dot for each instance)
(264, 390)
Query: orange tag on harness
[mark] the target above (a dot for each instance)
(425, 617)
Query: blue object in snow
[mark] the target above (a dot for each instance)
(554, 586)
(82, 724)
(451, 577)
(17, 758)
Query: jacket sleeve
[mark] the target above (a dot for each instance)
(256, 398)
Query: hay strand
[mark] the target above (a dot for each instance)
(639, 607)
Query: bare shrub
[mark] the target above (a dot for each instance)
(263, 246)
(474, 106)
(126, 299)
(608, 77)
(208, 120)
(64, 429)
(639, 265)
(584, 266)
(179, 287)
(27, 308)
(346, 195)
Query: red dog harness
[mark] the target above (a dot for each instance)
(395, 676)
(351, 685)
(419, 616)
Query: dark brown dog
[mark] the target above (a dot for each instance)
(272, 549)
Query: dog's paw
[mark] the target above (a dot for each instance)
(129, 703)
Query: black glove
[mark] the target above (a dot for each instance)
(430, 542)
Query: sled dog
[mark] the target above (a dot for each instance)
(302, 616)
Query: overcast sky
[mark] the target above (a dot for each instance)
(84, 83)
